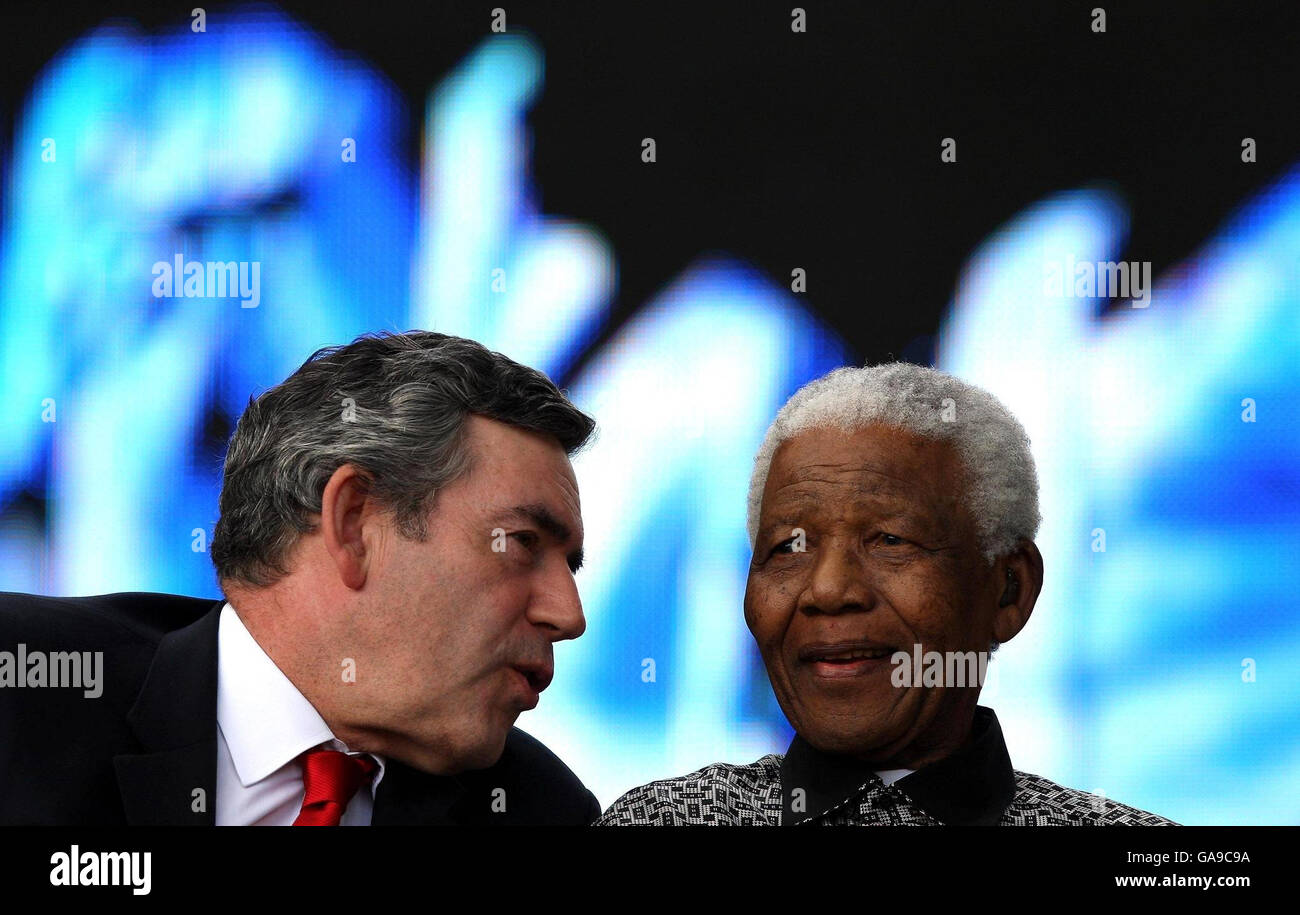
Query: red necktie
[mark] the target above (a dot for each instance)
(331, 778)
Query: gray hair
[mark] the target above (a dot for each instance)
(1001, 483)
(394, 406)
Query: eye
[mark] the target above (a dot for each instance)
(785, 546)
(528, 539)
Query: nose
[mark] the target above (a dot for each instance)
(557, 607)
(838, 582)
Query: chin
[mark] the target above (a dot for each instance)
(486, 754)
(450, 754)
(482, 749)
(851, 737)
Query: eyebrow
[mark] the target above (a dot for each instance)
(541, 516)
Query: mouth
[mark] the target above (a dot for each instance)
(536, 678)
(837, 660)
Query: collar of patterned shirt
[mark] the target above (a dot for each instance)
(971, 787)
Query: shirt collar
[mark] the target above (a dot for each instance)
(265, 720)
(971, 786)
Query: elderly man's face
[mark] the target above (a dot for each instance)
(890, 560)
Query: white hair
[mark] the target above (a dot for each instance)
(1001, 482)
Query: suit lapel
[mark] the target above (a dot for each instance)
(173, 781)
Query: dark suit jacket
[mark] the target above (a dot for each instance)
(137, 753)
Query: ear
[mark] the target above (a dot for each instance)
(1021, 575)
(346, 507)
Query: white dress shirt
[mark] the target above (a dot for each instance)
(889, 776)
(263, 725)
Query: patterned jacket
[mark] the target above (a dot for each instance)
(974, 786)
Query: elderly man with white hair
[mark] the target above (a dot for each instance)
(892, 512)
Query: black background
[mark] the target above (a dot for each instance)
(821, 150)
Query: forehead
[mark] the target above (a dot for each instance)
(872, 462)
(513, 465)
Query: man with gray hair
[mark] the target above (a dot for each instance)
(892, 511)
(398, 536)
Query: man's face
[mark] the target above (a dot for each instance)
(463, 623)
(890, 560)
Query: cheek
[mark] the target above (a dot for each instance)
(928, 603)
(500, 622)
(767, 608)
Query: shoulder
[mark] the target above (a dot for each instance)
(541, 787)
(717, 795)
(92, 654)
(1042, 802)
(107, 620)
(107, 642)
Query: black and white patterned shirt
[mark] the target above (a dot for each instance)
(974, 786)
